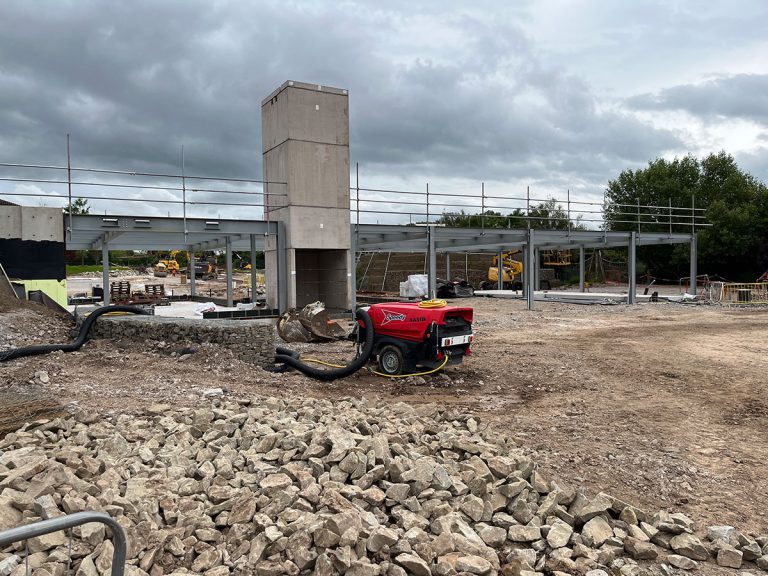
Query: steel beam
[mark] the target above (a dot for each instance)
(137, 232)
(694, 266)
(105, 270)
(581, 268)
(228, 260)
(106, 238)
(632, 270)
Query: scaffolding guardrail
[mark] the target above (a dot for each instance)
(368, 205)
(480, 210)
(184, 191)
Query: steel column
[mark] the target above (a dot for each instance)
(253, 269)
(432, 256)
(282, 270)
(526, 269)
(447, 266)
(632, 269)
(191, 266)
(105, 270)
(500, 270)
(694, 270)
(537, 269)
(352, 274)
(228, 260)
(530, 250)
(581, 268)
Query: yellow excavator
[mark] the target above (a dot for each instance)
(512, 270)
(167, 265)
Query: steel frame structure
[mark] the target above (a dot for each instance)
(422, 209)
(94, 232)
(432, 239)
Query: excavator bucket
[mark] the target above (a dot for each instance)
(290, 329)
(314, 317)
(312, 324)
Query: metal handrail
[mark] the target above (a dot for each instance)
(20, 533)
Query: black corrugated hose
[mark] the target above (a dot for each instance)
(81, 339)
(290, 358)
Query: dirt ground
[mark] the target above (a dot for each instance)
(663, 405)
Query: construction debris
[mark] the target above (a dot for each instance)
(271, 486)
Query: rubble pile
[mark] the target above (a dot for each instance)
(272, 487)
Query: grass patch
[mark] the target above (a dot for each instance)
(75, 269)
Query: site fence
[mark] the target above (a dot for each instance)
(190, 195)
(743, 294)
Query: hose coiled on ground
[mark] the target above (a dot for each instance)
(81, 339)
(290, 358)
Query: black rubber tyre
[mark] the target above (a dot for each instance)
(391, 360)
(486, 285)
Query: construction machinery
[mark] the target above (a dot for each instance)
(206, 268)
(557, 257)
(167, 266)
(401, 337)
(410, 335)
(511, 271)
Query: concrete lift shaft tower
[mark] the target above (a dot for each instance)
(305, 143)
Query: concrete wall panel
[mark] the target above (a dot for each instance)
(32, 223)
(318, 174)
(319, 228)
(42, 224)
(301, 111)
(10, 222)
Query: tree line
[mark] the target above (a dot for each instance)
(734, 242)
(732, 223)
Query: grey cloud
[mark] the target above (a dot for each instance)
(743, 96)
(434, 91)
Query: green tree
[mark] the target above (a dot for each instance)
(734, 203)
(79, 206)
(549, 215)
(545, 215)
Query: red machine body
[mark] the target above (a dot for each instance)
(407, 335)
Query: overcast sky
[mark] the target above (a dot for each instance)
(555, 94)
